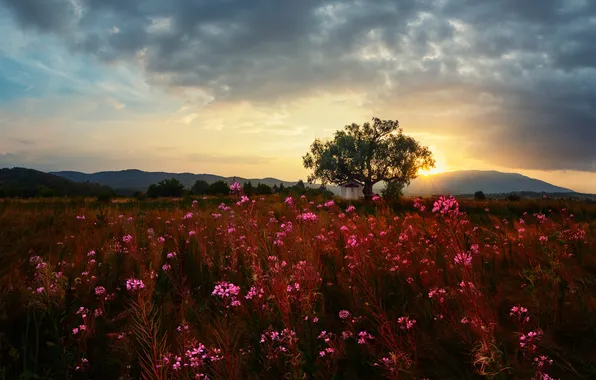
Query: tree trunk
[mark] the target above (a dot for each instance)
(368, 191)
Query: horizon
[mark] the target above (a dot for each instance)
(227, 88)
(421, 176)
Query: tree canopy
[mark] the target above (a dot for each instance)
(201, 187)
(169, 187)
(368, 153)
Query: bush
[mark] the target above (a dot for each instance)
(200, 187)
(392, 191)
(170, 187)
(479, 196)
(219, 188)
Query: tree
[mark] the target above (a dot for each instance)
(479, 196)
(169, 187)
(300, 185)
(281, 187)
(513, 197)
(369, 154)
(219, 188)
(275, 189)
(200, 187)
(248, 189)
(264, 189)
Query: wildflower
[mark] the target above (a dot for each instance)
(40, 289)
(242, 200)
(289, 201)
(80, 217)
(307, 217)
(543, 239)
(100, 290)
(463, 259)
(364, 337)
(344, 314)
(133, 284)
(406, 323)
(171, 255)
(235, 188)
(127, 238)
(166, 267)
(254, 292)
(446, 205)
(91, 254)
(350, 209)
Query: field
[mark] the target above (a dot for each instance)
(296, 288)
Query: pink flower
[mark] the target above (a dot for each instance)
(344, 314)
(463, 259)
(406, 323)
(446, 205)
(307, 217)
(127, 238)
(100, 290)
(364, 337)
(235, 187)
(133, 284)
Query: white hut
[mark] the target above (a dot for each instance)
(351, 190)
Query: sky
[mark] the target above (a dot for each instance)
(237, 87)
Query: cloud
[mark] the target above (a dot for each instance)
(115, 103)
(517, 78)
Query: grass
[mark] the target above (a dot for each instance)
(299, 290)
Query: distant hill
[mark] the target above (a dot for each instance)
(470, 181)
(459, 182)
(129, 181)
(26, 183)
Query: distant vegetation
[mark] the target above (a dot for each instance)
(28, 183)
(171, 187)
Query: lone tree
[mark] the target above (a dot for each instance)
(369, 153)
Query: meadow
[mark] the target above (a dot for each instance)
(289, 287)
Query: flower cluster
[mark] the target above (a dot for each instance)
(228, 292)
(133, 284)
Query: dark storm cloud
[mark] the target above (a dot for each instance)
(534, 59)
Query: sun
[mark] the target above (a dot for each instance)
(440, 165)
(431, 171)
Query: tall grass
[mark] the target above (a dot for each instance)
(270, 288)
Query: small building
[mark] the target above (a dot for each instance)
(351, 190)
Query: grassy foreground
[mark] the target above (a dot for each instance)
(271, 288)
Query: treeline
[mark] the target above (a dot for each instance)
(29, 183)
(171, 187)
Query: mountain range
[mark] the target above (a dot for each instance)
(128, 181)
(457, 182)
(470, 181)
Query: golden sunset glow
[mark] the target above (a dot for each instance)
(244, 95)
